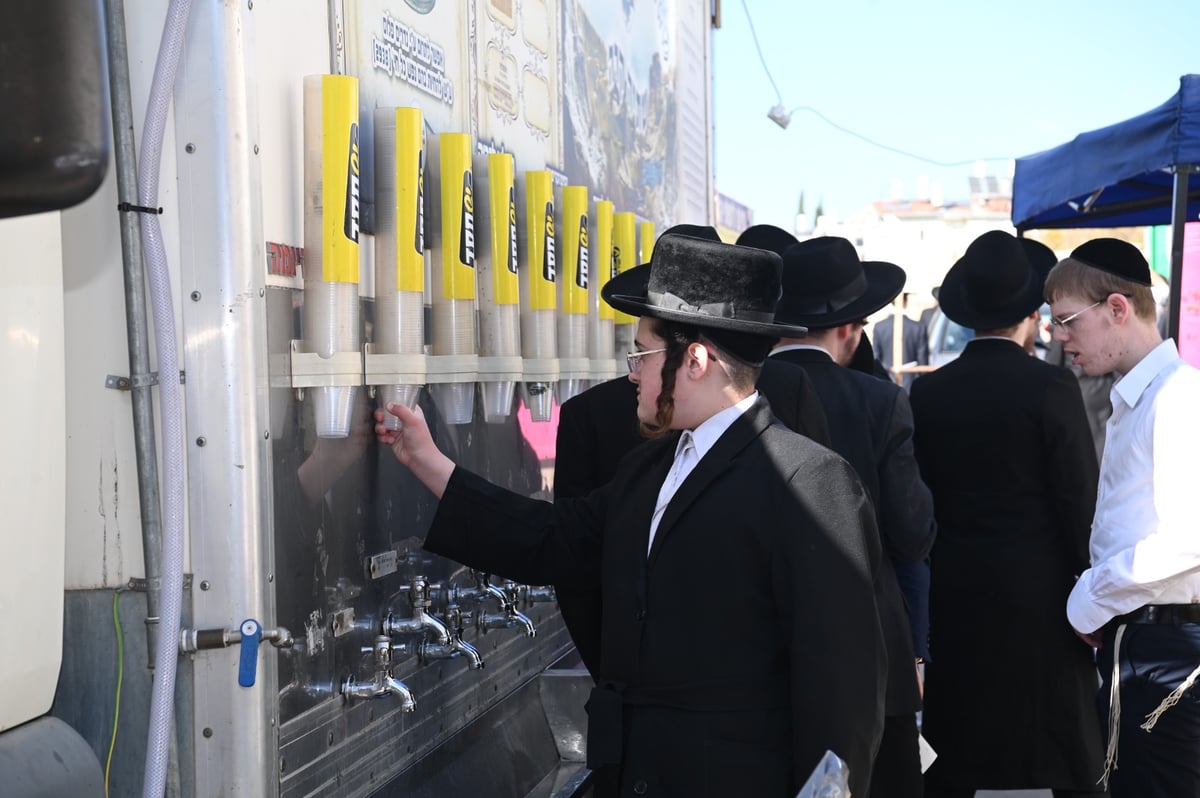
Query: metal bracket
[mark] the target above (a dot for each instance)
(141, 585)
(119, 382)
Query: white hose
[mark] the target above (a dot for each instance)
(166, 658)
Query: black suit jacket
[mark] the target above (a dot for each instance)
(794, 400)
(746, 642)
(595, 430)
(599, 427)
(1003, 443)
(871, 425)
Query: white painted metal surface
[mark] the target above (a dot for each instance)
(32, 438)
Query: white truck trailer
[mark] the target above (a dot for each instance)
(210, 574)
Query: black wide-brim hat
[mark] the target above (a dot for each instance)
(695, 278)
(1041, 257)
(825, 284)
(993, 285)
(766, 236)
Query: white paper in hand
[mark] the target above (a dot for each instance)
(927, 752)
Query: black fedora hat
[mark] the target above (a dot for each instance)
(698, 279)
(642, 270)
(1041, 257)
(993, 285)
(766, 236)
(826, 285)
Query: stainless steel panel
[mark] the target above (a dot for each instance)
(343, 508)
(223, 323)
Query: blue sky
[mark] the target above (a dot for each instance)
(950, 81)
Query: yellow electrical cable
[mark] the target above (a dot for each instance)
(120, 678)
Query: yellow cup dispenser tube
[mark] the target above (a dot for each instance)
(496, 264)
(395, 363)
(453, 366)
(539, 295)
(625, 257)
(600, 313)
(646, 234)
(574, 367)
(329, 359)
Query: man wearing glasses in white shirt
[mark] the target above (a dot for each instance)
(1139, 603)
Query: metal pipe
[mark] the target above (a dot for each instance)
(138, 342)
(193, 640)
(136, 318)
(1179, 203)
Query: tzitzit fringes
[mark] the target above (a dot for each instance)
(1114, 709)
(1171, 700)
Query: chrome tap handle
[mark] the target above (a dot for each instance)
(538, 595)
(454, 620)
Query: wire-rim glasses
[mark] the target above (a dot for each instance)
(634, 359)
(1065, 322)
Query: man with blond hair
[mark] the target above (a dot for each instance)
(1139, 602)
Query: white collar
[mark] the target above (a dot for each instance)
(713, 427)
(790, 347)
(1131, 386)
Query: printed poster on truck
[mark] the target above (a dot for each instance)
(609, 94)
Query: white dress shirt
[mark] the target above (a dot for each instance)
(692, 446)
(1145, 543)
(789, 347)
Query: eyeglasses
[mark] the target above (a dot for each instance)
(1065, 321)
(634, 359)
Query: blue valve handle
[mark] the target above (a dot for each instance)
(248, 661)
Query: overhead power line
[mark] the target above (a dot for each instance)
(782, 118)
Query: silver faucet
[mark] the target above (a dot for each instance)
(457, 646)
(382, 683)
(421, 619)
(509, 616)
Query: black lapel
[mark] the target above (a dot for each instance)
(644, 470)
(744, 430)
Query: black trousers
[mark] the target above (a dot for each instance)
(1154, 660)
(896, 772)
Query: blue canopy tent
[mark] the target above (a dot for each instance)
(1132, 173)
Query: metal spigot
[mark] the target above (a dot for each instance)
(457, 646)
(509, 616)
(421, 619)
(382, 682)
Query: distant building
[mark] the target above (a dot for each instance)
(925, 235)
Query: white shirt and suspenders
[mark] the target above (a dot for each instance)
(1145, 541)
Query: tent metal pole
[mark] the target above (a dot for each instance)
(1179, 203)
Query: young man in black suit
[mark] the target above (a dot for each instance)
(597, 428)
(740, 638)
(827, 289)
(1003, 443)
